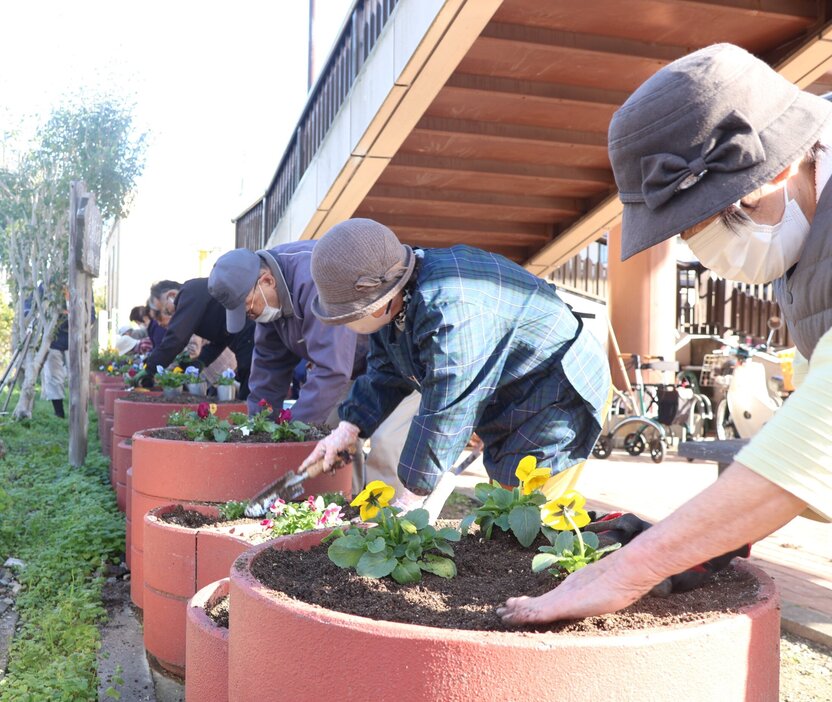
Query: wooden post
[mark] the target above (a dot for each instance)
(84, 252)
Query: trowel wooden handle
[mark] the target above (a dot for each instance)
(316, 468)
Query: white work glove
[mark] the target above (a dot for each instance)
(407, 501)
(342, 438)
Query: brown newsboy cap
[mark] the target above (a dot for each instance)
(702, 133)
(357, 266)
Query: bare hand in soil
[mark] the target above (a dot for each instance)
(598, 588)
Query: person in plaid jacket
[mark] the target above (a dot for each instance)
(490, 347)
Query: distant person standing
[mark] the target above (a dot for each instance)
(54, 373)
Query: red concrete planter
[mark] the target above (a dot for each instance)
(206, 648)
(107, 381)
(176, 472)
(178, 561)
(122, 459)
(128, 513)
(735, 657)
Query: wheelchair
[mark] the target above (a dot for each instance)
(654, 414)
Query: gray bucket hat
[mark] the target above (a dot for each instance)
(358, 266)
(232, 279)
(702, 133)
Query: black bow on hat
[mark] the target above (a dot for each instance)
(733, 146)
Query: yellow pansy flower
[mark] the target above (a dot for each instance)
(530, 476)
(110, 368)
(372, 498)
(177, 370)
(565, 512)
(212, 408)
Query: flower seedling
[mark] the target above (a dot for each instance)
(170, 378)
(134, 374)
(226, 377)
(516, 510)
(202, 425)
(398, 545)
(569, 552)
(294, 517)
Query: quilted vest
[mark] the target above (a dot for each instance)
(805, 294)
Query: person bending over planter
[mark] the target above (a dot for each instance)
(275, 289)
(721, 148)
(192, 310)
(491, 348)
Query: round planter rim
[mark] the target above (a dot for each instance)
(242, 578)
(196, 608)
(142, 436)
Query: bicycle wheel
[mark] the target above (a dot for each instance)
(725, 428)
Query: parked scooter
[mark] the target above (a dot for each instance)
(754, 390)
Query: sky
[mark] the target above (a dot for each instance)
(218, 87)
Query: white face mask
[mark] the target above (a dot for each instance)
(269, 313)
(749, 252)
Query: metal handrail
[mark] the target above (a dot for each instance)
(356, 40)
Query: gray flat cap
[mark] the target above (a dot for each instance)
(358, 266)
(232, 279)
(702, 133)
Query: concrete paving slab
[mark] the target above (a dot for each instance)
(122, 664)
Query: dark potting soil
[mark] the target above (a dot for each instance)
(218, 611)
(488, 572)
(184, 399)
(188, 518)
(178, 434)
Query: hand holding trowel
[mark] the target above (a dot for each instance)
(331, 452)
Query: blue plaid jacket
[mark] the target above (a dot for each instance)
(492, 349)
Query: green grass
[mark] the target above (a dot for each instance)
(62, 522)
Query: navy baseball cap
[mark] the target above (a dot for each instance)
(232, 279)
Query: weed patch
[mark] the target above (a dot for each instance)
(62, 522)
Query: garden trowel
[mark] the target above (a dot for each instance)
(289, 486)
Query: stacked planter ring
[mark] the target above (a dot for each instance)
(130, 416)
(206, 648)
(734, 657)
(108, 381)
(105, 421)
(178, 561)
(121, 460)
(178, 472)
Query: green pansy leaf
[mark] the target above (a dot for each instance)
(220, 435)
(544, 561)
(427, 532)
(608, 549)
(377, 545)
(443, 567)
(486, 525)
(564, 541)
(407, 573)
(444, 547)
(590, 539)
(448, 534)
(399, 551)
(375, 565)
(549, 533)
(502, 522)
(502, 498)
(466, 523)
(346, 551)
(482, 491)
(525, 524)
(419, 518)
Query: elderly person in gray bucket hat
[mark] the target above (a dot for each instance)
(274, 288)
(720, 148)
(491, 348)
